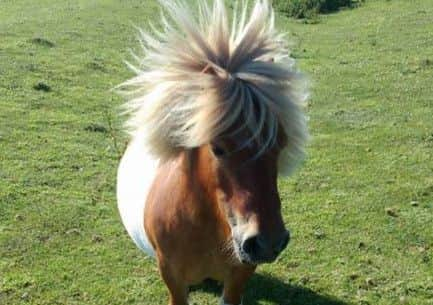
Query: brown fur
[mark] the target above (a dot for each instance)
(186, 221)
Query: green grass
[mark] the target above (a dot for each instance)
(360, 209)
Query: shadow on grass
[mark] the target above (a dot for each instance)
(270, 289)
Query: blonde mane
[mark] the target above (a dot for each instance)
(202, 74)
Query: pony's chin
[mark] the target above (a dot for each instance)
(248, 262)
(252, 262)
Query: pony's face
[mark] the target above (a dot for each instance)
(247, 195)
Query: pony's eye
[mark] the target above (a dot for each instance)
(218, 151)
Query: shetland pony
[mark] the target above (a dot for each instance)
(215, 116)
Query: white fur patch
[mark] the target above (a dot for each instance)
(135, 175)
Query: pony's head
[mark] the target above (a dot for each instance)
(225, 87)
(243, 186)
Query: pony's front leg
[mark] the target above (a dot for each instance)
(234, 285)
(177, 288)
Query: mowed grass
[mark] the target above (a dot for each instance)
(360, 209)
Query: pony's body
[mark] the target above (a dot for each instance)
(215, 118)
(176, 221)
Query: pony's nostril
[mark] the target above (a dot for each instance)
(250, 245)
(258, 248)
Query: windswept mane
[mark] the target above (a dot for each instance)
(202, 74)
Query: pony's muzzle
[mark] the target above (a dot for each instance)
(260, 249)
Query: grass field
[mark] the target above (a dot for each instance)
(360, 209)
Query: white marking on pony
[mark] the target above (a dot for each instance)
(198, 76)
(135, 175)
